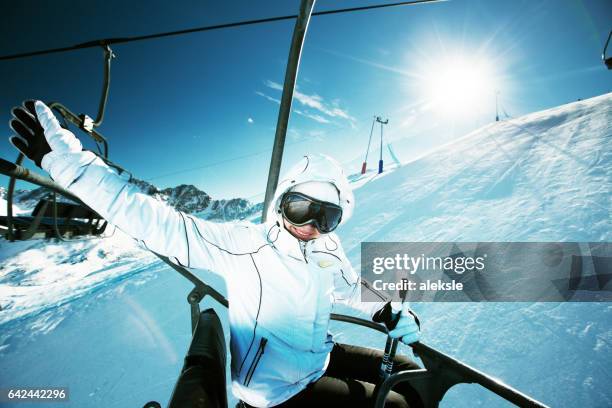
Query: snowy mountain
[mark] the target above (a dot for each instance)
(110, 321)
(190, 199)
(25, 200)
(184, 197)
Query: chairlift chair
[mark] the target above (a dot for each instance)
(49, 216)
(439, 374)
(604, 58)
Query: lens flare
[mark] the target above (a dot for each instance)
(458, 86)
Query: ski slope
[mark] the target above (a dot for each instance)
(108, 320)
(546, 176)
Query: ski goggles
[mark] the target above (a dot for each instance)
(299, 209)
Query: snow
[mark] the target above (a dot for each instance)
(16, 209)
(110, 321)
(38, 275)
(544, 177)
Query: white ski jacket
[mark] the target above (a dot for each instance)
(280, 290)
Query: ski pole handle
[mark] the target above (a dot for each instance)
(389, 367)
(391, 346)
(385, 360)
(389, 354)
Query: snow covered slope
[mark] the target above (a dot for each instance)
(542, 177)
(108, 320)
(546, 176)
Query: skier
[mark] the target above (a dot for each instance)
(283, 276)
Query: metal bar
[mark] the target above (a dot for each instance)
(293, 63)
(359, 321)
(108, 55)
(55, 225)
(9, 201)
(202, 288)
(381, 140)
(607, 60)
(369, 141)
(391, 381)
(78, 121)
(470, 374)
(603, 53)
(19, 172)
(193, 299)
(33, 227)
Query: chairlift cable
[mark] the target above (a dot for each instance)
(122, 40)
(217, 163)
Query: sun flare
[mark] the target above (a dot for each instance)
(459, 86)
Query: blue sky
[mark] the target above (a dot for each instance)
(201, 108)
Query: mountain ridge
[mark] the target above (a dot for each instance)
(184, 197)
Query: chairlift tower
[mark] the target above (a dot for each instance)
(496, 106)
(365, 161)
(380, 161)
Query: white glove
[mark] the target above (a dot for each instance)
(60, 140)
(408, 327)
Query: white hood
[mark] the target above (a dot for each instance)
(317, 167)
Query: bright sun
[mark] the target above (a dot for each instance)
(459, 86)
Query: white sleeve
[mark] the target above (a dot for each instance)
(348, 286)
(186, 240)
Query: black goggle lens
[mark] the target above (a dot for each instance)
(299, 209)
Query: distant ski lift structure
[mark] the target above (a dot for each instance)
(380, 161)
(496, 106)
(364, 166)
(607, 60)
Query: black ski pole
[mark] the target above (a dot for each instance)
(391, 346)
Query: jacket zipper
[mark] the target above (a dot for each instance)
(303, 249)
(251, 370)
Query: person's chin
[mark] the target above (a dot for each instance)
(303, 236)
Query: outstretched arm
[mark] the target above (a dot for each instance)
(186, 240)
